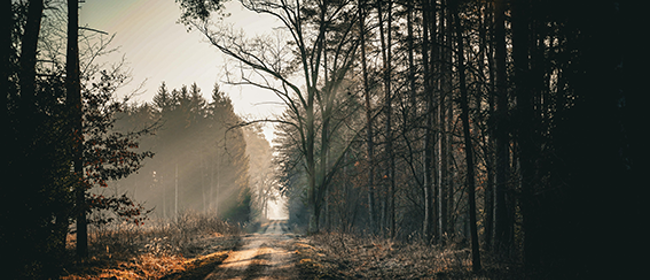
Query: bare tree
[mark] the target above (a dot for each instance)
(275, 68)
(469, 157)
(372, 214)
(502, 227)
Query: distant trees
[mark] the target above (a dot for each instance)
(263, 183)
(201, 162)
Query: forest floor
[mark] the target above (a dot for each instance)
(273, 251)
(343, 256)
(189, 247)
(193, 253)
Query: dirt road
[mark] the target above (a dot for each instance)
(263, 255)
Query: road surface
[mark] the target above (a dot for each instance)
(263, 255)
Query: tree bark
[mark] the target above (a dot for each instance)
(525, 130)
(476, 259)
(445, 116)
(486, 55)
(74, 97)
(369, 130)
(427, 222)
(387, 56)
(502, 225)
(28, 54)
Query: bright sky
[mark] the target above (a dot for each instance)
(158, 49)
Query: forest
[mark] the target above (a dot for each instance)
(505, 132)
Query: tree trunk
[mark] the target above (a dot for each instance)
(486, 55)
(386, 41)
(502, 224)
(476, 259)
(427, 222)
(74, 96)
(311, 165)
(28, 54)
(176, 192)
(389, 113)
(526, 135)
(445, 116)
(432, 118)
(369, 132)
(218, 187)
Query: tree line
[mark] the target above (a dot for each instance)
(503, 125)
(201, 161)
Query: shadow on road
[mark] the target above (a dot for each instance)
(261, 255)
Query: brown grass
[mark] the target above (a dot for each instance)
(158, 249)
(342, 256)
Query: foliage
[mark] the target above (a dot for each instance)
(109, 154)
(199, 9)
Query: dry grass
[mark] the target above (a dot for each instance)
(156, 250)
(341, 256)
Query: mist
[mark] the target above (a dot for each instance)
(203, 162)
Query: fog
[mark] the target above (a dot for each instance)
(200, 163)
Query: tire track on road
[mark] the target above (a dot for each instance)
(261, 256)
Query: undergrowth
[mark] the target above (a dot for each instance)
(155, 250)
(344, 256)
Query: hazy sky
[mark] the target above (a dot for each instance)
(158, 49)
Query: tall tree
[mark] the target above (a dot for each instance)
(385, 34)
(525, 129)
(469, 157)
(28, 55)
(503, 225)
(73, 89)
(372, 208)
(427, 58)
(444, 147)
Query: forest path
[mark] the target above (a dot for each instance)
(263, 255)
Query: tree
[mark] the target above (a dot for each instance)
(503, 226)
(201, 162)
(73, 89)
(100, 154)
(300, 20)
(372, 208)
(262, 183)
(428, 197)
(526, 137)
(469, 157)
(28, 54)
(386, 49)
